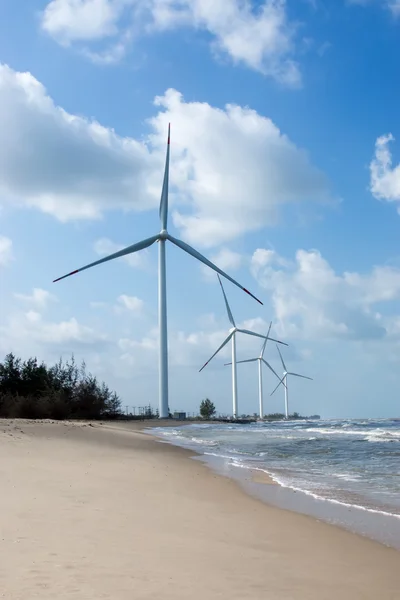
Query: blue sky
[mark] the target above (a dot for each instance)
(282, 172)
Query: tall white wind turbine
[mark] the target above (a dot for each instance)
(284, 381)
(260, 359)
(232, 336)
(162, 237)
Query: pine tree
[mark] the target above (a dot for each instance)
(207, 409)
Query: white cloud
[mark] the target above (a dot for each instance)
(394, 7)
(260, 37)
(71, 20)
(6, 254)
(27, 330)
(257, 35)
(31, 330)
(38, 299)
(225, 259)
(231, 168)
(385, 179)
(131, 303)
(310, 300)
(67, 166)
(263, 257)
(192, 348)
(104, 247)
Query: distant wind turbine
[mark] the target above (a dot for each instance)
(285, 383)
(162, 237)
(260, 359)
(232, 336)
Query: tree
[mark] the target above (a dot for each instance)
(30, 389)
(207, 409)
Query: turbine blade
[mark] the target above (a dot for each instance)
(280, 382)
(270, 368)
(282, 361)
(265, 341)
(207, 262)
(278, 341)
(260, 335)
(220, 348)
(243, 361)
(164, 193)
(228, 309)
(302, 376)
(248, 332)
(129, 250)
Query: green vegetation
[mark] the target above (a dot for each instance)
(32, 390)
(294, 416)
(207, 409)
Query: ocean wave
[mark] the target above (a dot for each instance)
(347, 476)
(295, 488)
(331, 461)
(333, 500)
(165, 432)
(326, 431)
(381, 435)
(218, 455)
(235, 462)
(177, 434)
(203, 442)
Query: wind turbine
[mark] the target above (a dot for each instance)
(285, 383)
(260, 359)
(232, 336)
(162, 237)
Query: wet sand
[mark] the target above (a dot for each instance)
(107, 512)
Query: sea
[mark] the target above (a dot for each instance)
(346, 472)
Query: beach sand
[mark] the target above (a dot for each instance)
(107, 512)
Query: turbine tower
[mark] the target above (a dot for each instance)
(162, 237)
(260, 359)
(232, 336)
(284, 381)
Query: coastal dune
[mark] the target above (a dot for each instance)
(99, 511)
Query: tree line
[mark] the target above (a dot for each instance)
(32, 390)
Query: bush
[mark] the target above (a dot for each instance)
(34, 391)
(207, 409)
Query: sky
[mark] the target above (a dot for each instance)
(284, 171)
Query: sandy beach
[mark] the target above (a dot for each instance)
(98, 511)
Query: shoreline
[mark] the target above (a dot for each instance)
(376, 525)
(107, 511)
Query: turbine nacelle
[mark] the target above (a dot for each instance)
(234, 330)
(286, 373)
(259, 359)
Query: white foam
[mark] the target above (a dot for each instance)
(347, 476)
(381, 435)
(283, 484)
(327, 431)
(237, 463)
